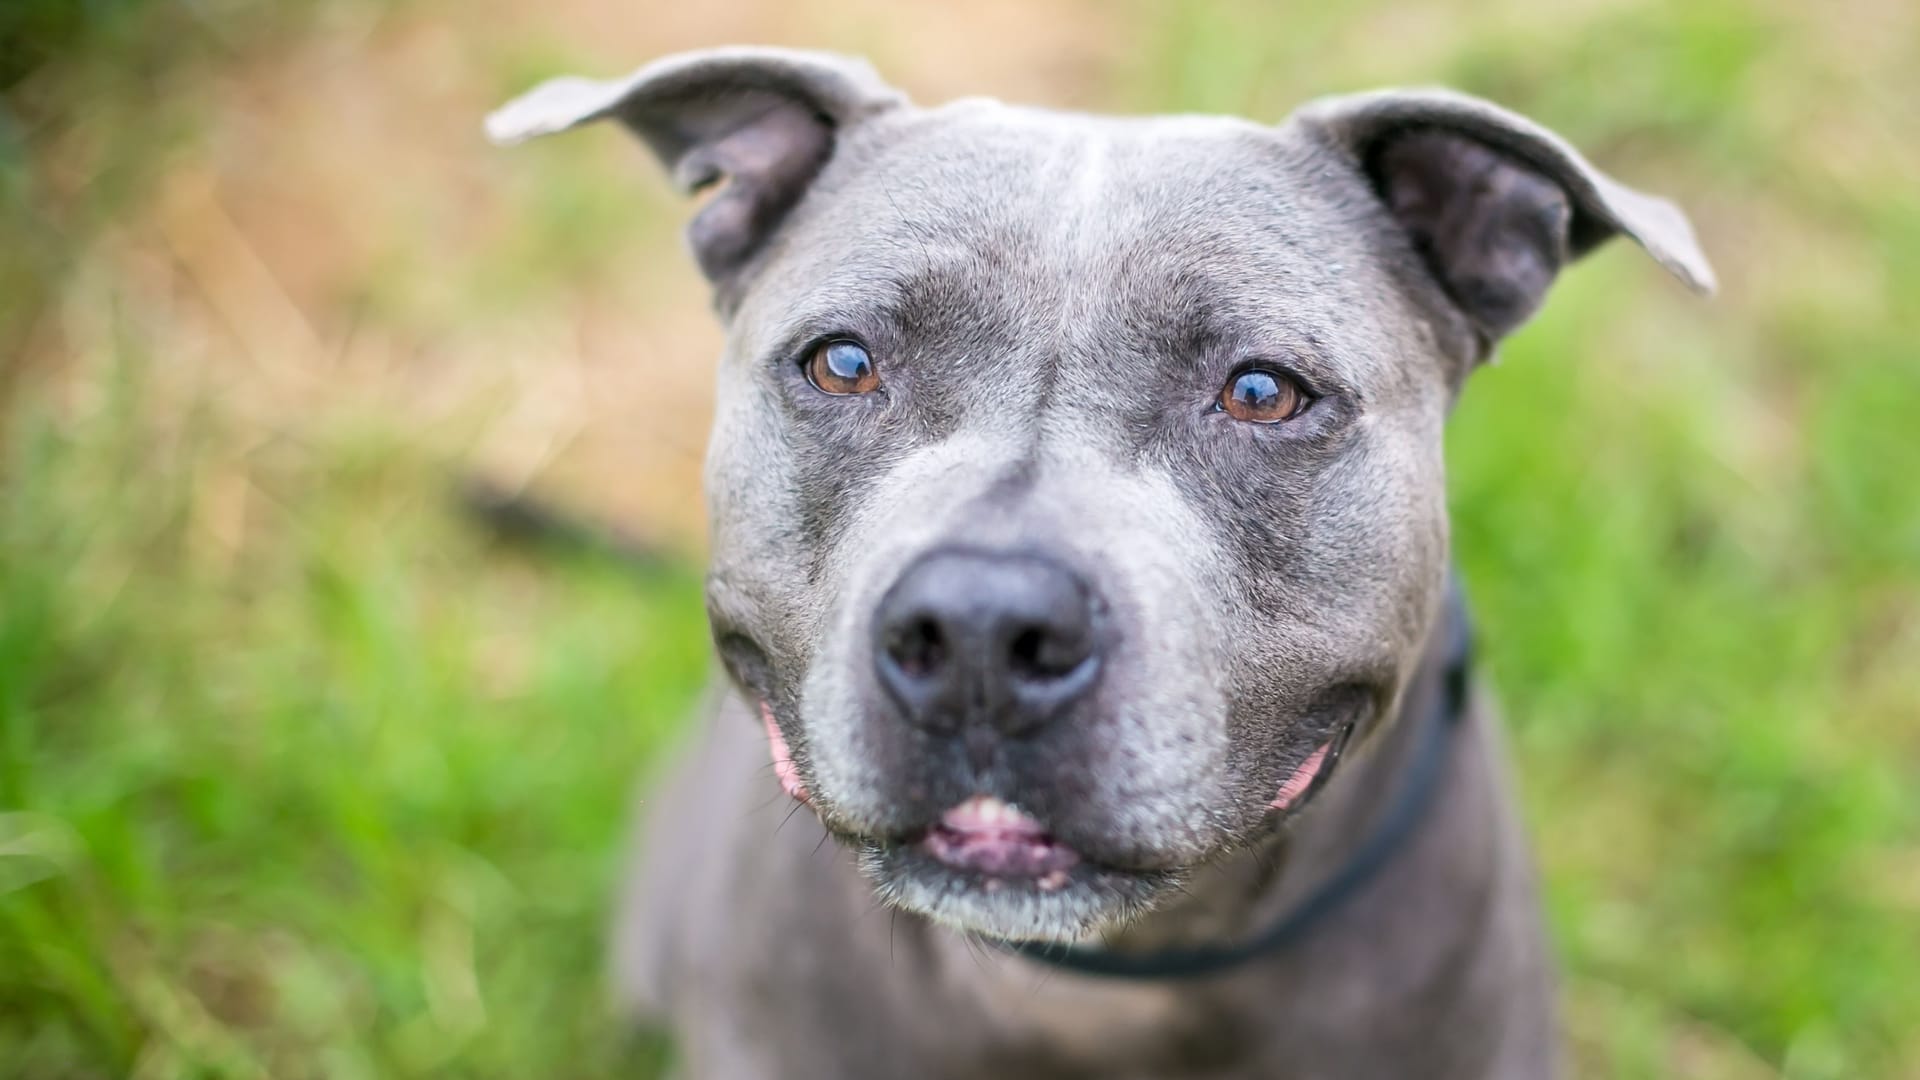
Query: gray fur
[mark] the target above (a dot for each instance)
(1054, 301)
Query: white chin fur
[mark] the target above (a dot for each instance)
(1015, 911)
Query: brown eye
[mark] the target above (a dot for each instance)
(842, 367)
(1259, 396)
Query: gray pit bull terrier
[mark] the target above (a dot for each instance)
(1079, 562)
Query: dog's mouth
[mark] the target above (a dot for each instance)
(999, 842)
(988, 866)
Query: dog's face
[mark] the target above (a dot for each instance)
(1076, 483)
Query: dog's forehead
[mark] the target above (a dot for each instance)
(1096, 222)
(1076, 187)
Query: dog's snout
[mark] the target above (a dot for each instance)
(969, 637)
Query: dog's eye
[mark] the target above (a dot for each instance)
(1260, 396)
(842, 367)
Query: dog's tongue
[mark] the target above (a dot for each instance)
(991, 837)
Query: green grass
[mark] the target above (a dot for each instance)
(293, 816)
(300, 775)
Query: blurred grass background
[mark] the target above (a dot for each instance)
(300, 774)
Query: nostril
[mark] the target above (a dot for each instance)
(919, 647)
(966, 637)
(1042, 652)
(1026, 650)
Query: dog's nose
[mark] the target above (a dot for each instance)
(981, 637)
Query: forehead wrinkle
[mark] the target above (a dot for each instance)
(1083, 206)
(1082, 224)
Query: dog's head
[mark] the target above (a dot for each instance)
(1076, 482)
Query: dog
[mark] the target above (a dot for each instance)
(1080, 566)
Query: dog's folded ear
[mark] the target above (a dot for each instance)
(764, 120)
(1494, 203)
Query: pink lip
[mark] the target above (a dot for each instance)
(783, 766)
(1302, 779)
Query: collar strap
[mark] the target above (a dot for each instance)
(1421, 783)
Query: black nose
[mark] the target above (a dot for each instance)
(978, 637)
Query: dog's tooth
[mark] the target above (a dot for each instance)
(984, 812)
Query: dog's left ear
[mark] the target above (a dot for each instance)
(764, 120)
(1494, 203)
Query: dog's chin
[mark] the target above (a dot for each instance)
(1061, 905)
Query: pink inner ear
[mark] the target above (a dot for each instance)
(1301, 780)
(783, 766)
(767, 157)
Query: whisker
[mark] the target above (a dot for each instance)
(783, 821)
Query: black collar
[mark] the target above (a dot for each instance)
(1419, 785)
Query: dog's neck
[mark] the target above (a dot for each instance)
(1236, 898)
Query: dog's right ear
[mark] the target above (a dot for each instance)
(1494, 204)
(763, 120)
